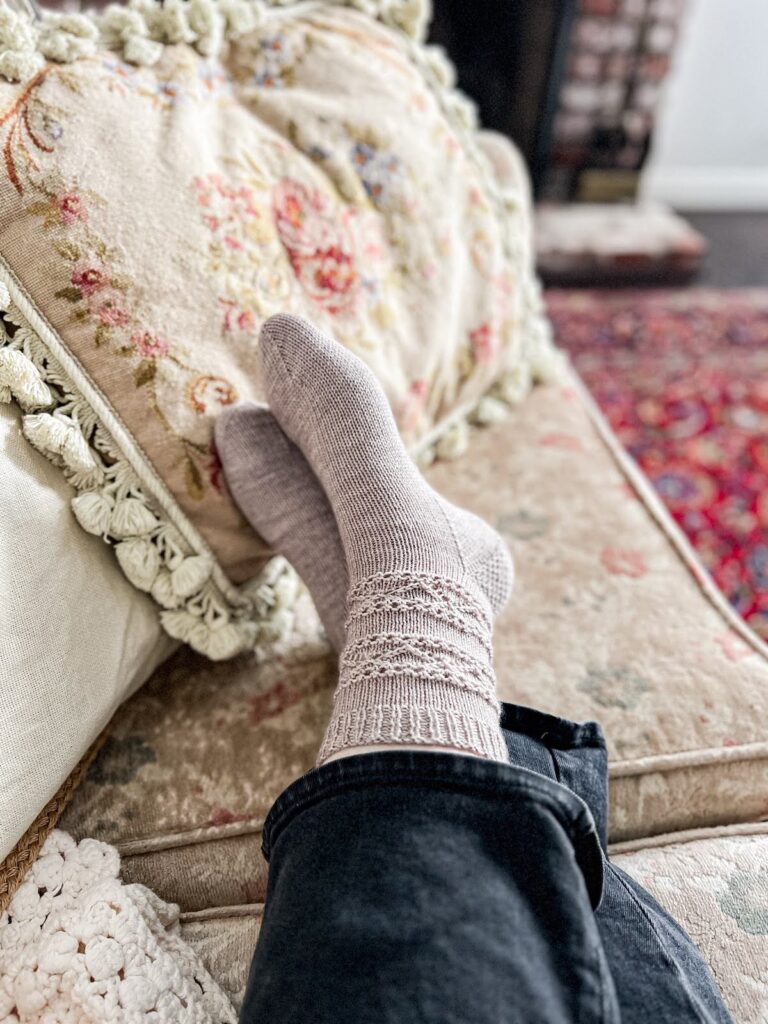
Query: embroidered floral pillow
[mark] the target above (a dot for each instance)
(172, 175)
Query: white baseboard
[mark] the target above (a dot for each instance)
(707, 188)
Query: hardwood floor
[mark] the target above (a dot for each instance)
(738, 255)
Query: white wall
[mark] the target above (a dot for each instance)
(710, 148)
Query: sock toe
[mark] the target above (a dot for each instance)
(290, 346)
(275, 488)
(281, 335)
(236, 429)
(332, 407)
(253, 449)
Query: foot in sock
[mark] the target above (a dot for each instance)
(417, 665)
(280, 496)
(275, 488)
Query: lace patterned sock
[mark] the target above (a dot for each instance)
(417, 665)
(277, 492)
(280, 496)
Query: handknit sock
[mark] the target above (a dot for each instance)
(417, 665)
(277, 492)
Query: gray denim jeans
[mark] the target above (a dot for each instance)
(426, 888)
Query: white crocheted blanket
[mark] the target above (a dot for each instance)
(77, 946)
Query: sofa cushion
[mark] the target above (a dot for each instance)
(614, 618)
(716, 886)
(611, 619)
(224, 940)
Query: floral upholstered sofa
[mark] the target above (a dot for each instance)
(612, 618)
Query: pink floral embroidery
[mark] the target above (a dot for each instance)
(101, 296)
(113, 316)
(243, 237)
(485, 343)
(420, 102)
(291, 204)
(329, 276)
(624, 562)
(89, 280)
(231, 203)
(150, 346)
(72, 208)
(318, 245)
(237, 319)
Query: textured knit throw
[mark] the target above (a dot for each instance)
(77, 945)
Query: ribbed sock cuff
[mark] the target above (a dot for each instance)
(474, 728)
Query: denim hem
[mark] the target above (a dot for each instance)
(458, 772)
(557, 732)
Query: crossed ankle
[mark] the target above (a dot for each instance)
(417, 668)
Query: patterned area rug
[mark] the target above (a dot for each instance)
(682, 377)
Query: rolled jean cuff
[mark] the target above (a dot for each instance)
(412, 887)
(507, 784)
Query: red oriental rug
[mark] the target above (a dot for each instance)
(682, 377)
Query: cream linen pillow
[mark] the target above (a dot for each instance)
(75, 637)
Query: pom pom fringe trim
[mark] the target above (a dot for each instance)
(121, 498)
(139, 30)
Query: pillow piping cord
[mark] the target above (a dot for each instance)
(120, 496)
